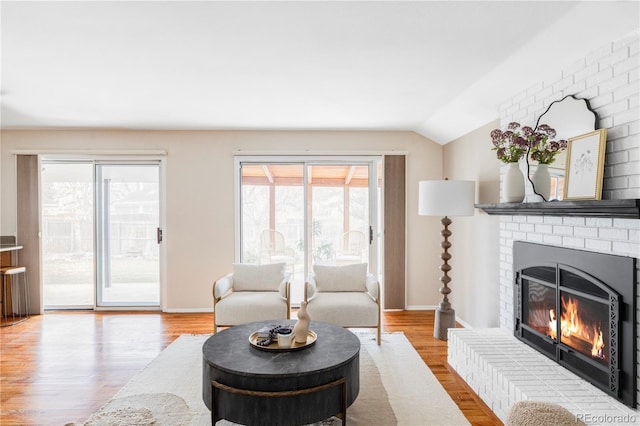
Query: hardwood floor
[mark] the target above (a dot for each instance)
(61, 367)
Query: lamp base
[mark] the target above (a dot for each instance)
(445, 319)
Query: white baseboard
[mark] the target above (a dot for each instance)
(188, 310)
(422, 308)
(464, 324)
(126, 308)
(433, 308)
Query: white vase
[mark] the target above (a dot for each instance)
(513, 184)
(301, 329)
(542, 181)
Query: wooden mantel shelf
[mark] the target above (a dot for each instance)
(629, 209)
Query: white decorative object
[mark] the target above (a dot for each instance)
(285, 335)
(542, 181)
(513, 184)
(585, 166)
(301, 329)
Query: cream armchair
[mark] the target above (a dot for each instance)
(344, 295)
(251, 293)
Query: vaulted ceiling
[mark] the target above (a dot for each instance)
(437, 68)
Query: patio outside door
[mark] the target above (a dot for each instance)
(308, 212)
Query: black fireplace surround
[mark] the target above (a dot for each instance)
(579, 309)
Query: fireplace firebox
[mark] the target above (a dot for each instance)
(578, 308)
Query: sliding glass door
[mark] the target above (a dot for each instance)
(67, 233)
(308, 211)
(100, 225)
(339, 215)
(128, 217)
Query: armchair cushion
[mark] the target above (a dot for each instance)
(355, 308)
(341, 278)
(248, 277)
(344, 308)
(246, 306)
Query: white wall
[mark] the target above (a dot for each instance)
(609, 78)
(199, 232)
(475, 268)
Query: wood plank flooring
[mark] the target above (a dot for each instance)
(60, 367)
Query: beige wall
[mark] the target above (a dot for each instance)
(1, 193)
(475, 254)
(199, 231)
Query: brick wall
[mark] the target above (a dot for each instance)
(604, 235)
(608, 77)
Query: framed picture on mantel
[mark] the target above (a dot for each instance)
(585, 166)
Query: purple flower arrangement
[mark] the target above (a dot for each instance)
(510, 145)
(543, 148)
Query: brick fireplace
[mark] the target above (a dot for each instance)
(578, 308)
(499, 367)
(503, 370)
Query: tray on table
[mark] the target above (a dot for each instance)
(273, 346)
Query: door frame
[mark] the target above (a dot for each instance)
(100, 198)
(375, 248)
(142, 157)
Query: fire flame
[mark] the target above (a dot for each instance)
(553, 324)
(571, 326)
(598, 344)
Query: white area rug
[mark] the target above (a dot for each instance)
(169, 392)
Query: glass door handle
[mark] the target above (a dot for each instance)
(159, 234)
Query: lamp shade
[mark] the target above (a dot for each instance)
(446, 197)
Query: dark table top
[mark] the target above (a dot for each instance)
(230, 351)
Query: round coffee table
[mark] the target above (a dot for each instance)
(246, 385)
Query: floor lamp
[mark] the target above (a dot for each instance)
(445, 198)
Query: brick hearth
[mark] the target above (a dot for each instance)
(502, 371)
